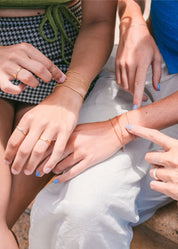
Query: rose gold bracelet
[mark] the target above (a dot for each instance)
(114, 129)
(60, 85)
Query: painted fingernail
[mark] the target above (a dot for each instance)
(159, 87)
(56, 181)
(14, 171)
(6, 162)
(62, 79)
(129, 127)
(37, 173)
(46, 170)
(135, 107)
(27, 172)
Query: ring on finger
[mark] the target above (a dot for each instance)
(45, 140)
(21, 130)
(154, 174)
(17, 71)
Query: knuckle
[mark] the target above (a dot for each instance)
(25, 45)
(38, 151)
(40, 69)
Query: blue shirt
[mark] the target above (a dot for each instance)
(164, 15)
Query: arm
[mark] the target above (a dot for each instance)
(94, 142)
(57, 115)
(165, 162)
(137, 50)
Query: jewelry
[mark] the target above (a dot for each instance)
(114, 129)
(16, 73)
(45, 140)
(21, 130)
(154, 174)
(70, 88)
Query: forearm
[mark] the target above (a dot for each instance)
(158, 115)
(92, 48)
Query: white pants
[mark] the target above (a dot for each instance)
(97, 209)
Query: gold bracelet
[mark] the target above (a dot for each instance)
(114, 129)
(57, 85)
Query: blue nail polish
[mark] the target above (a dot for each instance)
(135, 107)
(159, 87)
(37, 173)
(129, 127)
(56, 181)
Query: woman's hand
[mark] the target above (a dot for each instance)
(165, 163)
(23, 61)
(137, 50)
(88, 145)
(53, 120)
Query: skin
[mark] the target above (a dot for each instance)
(136, 52)
(92, 143)
(56, 119)
(166, 161)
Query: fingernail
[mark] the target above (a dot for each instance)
(46, 170)
(56, 181)
(37, 173)
(62, 79)
(159, 87)
(14, 171)
(27, 172)
(134, 107)
(6, 162)
(129, 127)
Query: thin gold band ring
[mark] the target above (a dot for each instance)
(21, 130)
(16, 73)
(45, 140)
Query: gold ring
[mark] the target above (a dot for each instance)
(154, 174)
(21, 130)
(45, 140)
(16, 73)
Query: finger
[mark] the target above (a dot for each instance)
(14, 142)
(140, 79)
(24, 150)
(73, 172)
(56, 73)
(168, 189)
(38, 152)
(38, 68)
(131, 72)
(156, 158)
(118, 75)
(156, 72)
(151, 134)
(39, 168)
(7, 87)
(56, 154)
(66, 163)
(124, 78)
(27, 78)
(159, 173)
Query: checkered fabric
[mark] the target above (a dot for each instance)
(14, 30)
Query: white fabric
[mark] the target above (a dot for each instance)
(96, 210)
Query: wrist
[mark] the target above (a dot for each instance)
(119, 124)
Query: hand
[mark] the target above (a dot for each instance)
(136, 51)
(22, 61)
(165, 162)
(53, 120)
(88, 145)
